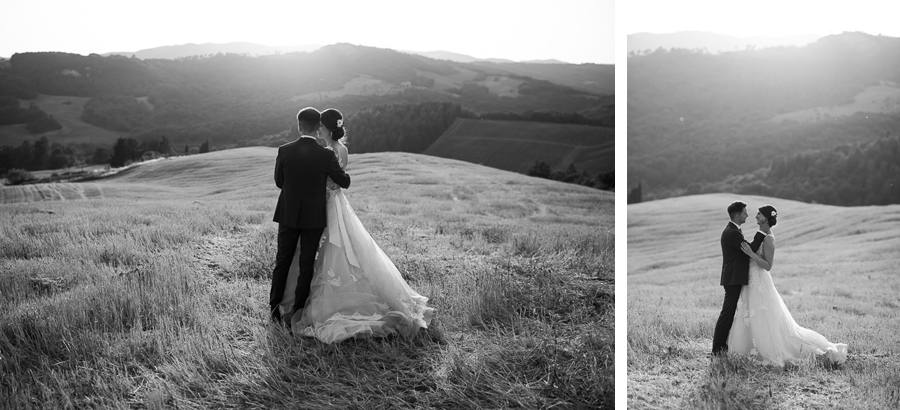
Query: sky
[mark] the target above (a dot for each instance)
(575, 31)
(760, 17)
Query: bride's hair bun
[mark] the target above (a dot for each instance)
(770, 213)
(334, 121)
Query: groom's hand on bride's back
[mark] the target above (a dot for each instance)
(337, 174)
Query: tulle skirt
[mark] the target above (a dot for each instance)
(356, 290)
(764, 328)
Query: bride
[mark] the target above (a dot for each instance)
(763, 326)
(356, 291)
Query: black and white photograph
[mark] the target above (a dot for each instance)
(763, 205)
(317, 205)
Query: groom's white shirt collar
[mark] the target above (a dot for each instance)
(735, 225)
(307, 136)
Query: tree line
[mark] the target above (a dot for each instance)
(43, 155)
(36, 120)
(855, 174)
(605, 180)
(36, 156)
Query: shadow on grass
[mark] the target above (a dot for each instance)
(390, 372)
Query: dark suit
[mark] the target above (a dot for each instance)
(735, 272)
(301, 170)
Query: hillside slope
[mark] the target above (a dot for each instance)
(243, 173)
(168, 274)
(517, 145)
(67, 111)
(835, 268)
(696, 118)
(233, 98)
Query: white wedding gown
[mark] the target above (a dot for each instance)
(356, 290)
(764, 328)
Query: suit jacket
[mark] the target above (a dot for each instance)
(735, 263)
(301, 170)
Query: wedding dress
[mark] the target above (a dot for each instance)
(764, 328)
(356, 290)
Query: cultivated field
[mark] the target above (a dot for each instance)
(67, 111)
(153, 294)
(836, 269)
(363, 85)
(881, 98)
(516, 145)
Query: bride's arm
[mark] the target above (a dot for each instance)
(343, 156)
(768, 259)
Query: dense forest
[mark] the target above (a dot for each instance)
(605, 180)
(862, 173)
(698, 120)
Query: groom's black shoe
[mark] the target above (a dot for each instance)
(276, 315)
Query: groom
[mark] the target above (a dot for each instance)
(735, 270)
(301, 170)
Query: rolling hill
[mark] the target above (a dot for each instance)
(233, 100)
(697, 119)
(834, 267)
(517, 145)
(67, 111)
(711, 42)
(191, 49)
(246, 172)
(457, 57)
(592, 78)
(165, 270)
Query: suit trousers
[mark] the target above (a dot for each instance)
(726, 318)
(287, 245)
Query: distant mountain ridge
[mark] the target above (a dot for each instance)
(464, 58)
(230, 99)
(711, 42)
(191, 49)
(253, 49)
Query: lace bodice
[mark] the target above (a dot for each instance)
(330, 185)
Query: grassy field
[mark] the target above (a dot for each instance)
(516, 145)
(67, 111)
(154, 294)
(836, 269)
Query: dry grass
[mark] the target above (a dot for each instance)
(835, 268)
(154, 296)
